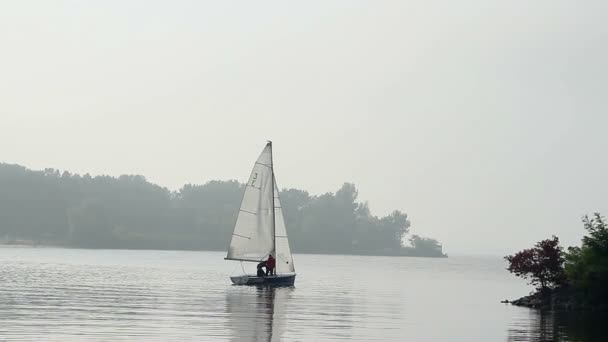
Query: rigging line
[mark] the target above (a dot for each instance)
(235, 266)
(248, 212)
(274, 214)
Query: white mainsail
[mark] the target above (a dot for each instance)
(260, 227)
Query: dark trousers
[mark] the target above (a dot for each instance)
(270, 271)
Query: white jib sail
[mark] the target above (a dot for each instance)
(283, 252)
(253, 236)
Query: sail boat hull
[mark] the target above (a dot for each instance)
(277, 280)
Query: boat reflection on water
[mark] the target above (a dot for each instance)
(257, 314)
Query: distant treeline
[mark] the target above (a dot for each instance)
(60, 208)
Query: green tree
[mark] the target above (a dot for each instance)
(57, 207)
(428, 246)
(90, 224)
(587, 266)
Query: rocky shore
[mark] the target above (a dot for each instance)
(559, 299)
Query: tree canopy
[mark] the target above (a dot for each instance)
(542, 264)
(580, 274)
(587, 265)
(53, 207)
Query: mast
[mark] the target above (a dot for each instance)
(274, 235)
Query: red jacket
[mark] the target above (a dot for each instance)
(271, 263)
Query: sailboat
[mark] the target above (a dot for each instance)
(260, 227)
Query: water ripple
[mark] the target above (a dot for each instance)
(74, 295)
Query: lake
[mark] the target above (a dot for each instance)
(56, 294)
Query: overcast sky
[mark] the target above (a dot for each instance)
(486, 121)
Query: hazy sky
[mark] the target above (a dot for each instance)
(486, 121)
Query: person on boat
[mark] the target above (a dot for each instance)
(261, 272)
(270, 265)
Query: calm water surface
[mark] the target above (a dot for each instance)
(55, 294)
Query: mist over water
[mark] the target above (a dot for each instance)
(458, 113)
(399, 128)
(73, 295)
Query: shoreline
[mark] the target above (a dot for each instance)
(559, 299)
